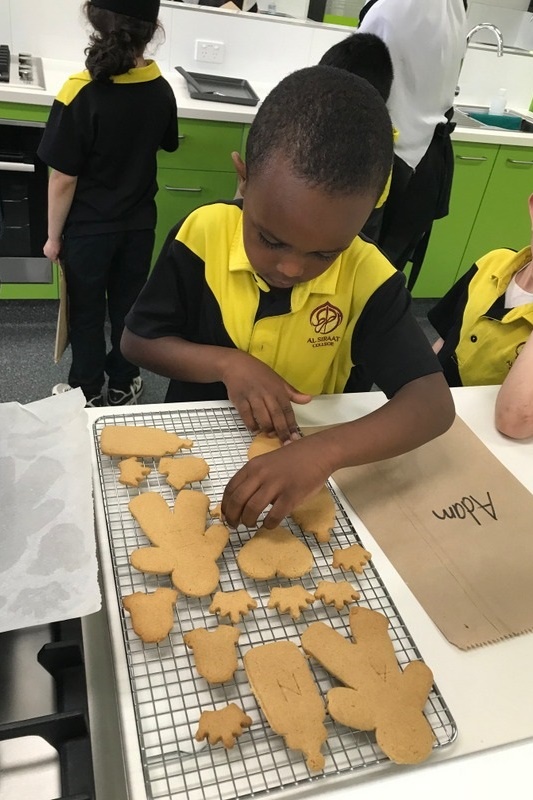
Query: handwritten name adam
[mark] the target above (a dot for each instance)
(469, 506)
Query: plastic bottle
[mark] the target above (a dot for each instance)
(498, 102)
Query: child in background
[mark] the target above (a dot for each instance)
(271, 299)
(101, 140)
(485, 324)
(366, 55)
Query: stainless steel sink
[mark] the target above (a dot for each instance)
(479, 117)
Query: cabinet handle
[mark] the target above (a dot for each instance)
(183, 189)
(517, 161)
(472, 158)
(181, 136)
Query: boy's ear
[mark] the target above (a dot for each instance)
(240, 169)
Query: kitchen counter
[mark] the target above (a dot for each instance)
(57, 71)
(488, 689)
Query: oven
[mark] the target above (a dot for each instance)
(23, 205)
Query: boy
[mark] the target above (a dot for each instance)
(485, 323)
(271, 299)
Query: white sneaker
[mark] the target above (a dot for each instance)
(116, 397)
(94, 402)
(61, 388)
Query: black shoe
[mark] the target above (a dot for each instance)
(95, 402)
(116, 397)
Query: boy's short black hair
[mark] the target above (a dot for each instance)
(366, 55)
(332, 127)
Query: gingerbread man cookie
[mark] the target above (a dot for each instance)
(182, 547)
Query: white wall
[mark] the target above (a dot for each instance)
(260, 48)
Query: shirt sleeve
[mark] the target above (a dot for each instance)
(170, 140)
(388, 344)
(67, 138)
(447, 314)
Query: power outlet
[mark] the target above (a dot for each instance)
(211, 52)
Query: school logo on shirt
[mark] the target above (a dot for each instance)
(325, 319)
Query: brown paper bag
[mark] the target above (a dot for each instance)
(62, 331)
(458, 527)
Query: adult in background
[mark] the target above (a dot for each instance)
(101, 140)
(427, 43)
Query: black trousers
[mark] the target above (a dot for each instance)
(103, 271)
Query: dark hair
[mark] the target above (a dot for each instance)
(116, 43)
(332, 127)
(366, 55)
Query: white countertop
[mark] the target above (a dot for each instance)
(489, 690)
(57, 71)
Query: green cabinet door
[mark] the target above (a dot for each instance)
(473, 166)
(181, 191)
(503, 219)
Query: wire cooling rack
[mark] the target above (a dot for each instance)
(169, 694)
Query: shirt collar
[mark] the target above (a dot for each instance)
(504, 269)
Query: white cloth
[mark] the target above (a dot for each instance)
(516, 296)
(427, 43)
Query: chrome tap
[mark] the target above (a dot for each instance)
(490, 27)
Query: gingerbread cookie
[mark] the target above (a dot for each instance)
(316, 515)
(355, 558)
(336, 593)
(182, 547)
(137, 440)
(284, 687)
(214, 652)
(377, 696)
(183, 470)
(262, 443)
(290, 600)
(216, 511)
(232, 604)
(132, 472)
(152, 615)
(223, 725)
(274, 552)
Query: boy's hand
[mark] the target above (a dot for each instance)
(262, 398)
(282, 478)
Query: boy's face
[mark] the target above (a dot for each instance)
(294, 232)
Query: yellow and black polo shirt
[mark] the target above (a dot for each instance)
(482, 338)
(108, 134)
(204, 289)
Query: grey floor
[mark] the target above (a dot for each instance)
(27, 336)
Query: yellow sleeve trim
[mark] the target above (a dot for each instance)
(73, 87)
(386, 190)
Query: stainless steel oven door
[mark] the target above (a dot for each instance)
(23, 205)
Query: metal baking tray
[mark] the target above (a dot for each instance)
(219, 88)
(169, 695)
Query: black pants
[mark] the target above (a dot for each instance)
(105, 266)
